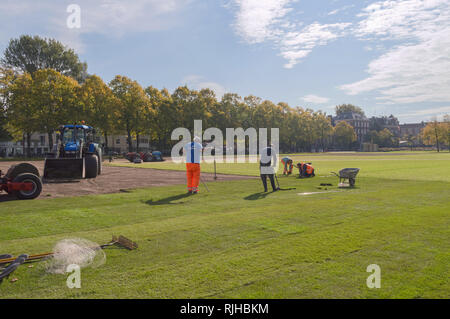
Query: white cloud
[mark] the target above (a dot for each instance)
(267, 20)
(336, 11)
(311, 98)
(417, 70)
(426, 114)
(256, 20)
(107, 17)
(434, 111)
(296, 45)
(198, 82)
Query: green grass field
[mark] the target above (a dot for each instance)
(236, 242)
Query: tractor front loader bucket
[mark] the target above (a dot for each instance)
(64, 168)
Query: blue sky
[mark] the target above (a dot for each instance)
(389, 57)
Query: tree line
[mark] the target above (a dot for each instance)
(43, 85)
(43, 101)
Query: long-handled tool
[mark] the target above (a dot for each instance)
(282, 189)
(120, 241)
(207, 189)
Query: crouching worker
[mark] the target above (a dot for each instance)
(193, 153)
(305, 170)
(288, 166)
(266, 168)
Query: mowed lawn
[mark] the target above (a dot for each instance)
(236, 242)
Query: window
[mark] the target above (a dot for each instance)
(118, 141)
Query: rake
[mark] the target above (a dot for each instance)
(120, 241)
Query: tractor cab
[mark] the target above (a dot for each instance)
(74, 138)
(75, 154)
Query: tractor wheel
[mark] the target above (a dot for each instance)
(29, 178)
(91, 166)
(21, 168)
(100, 159)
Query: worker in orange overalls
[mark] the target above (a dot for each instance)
(305, 170)
(287, 162)
(193, 152)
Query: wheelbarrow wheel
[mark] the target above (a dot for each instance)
(351, 182)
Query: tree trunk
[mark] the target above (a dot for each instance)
(24, 150)
(448, 141)
(28, 145)
(50, 141)
(105, 135)
(137, 143)
(437, 137)
(130, 142)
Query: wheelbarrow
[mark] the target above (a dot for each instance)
(347, 174)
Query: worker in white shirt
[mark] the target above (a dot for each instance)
(268, 157)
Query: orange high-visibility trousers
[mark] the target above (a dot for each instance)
(193, 176)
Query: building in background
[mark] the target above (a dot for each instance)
(359, 122)
(119, 144)
(39, 146)
(412, 129)
(385, 122)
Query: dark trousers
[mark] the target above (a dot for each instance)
(264, 181)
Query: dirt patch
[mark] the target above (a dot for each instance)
(115, 179)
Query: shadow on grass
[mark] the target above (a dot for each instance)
(168, 200)
(7, 198)
(257, 196)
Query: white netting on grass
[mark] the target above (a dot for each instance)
(78, 251)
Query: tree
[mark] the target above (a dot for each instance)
(55, 101)
(20, 114)
(323, 129)
(166, 117)
(384, 138)
(433, 133)
(344, 135)
(99, 103)
(131, 102)
(29, 54)
(191, 105)
(6, 78)
(410, 139)
(446, 130)
(345, 108)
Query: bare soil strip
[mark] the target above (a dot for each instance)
(114, 180)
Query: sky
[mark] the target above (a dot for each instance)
(388, 57)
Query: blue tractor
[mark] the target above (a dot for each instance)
(75, 154)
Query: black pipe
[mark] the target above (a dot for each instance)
(13, 266)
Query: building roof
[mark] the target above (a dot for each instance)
(350, 116)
